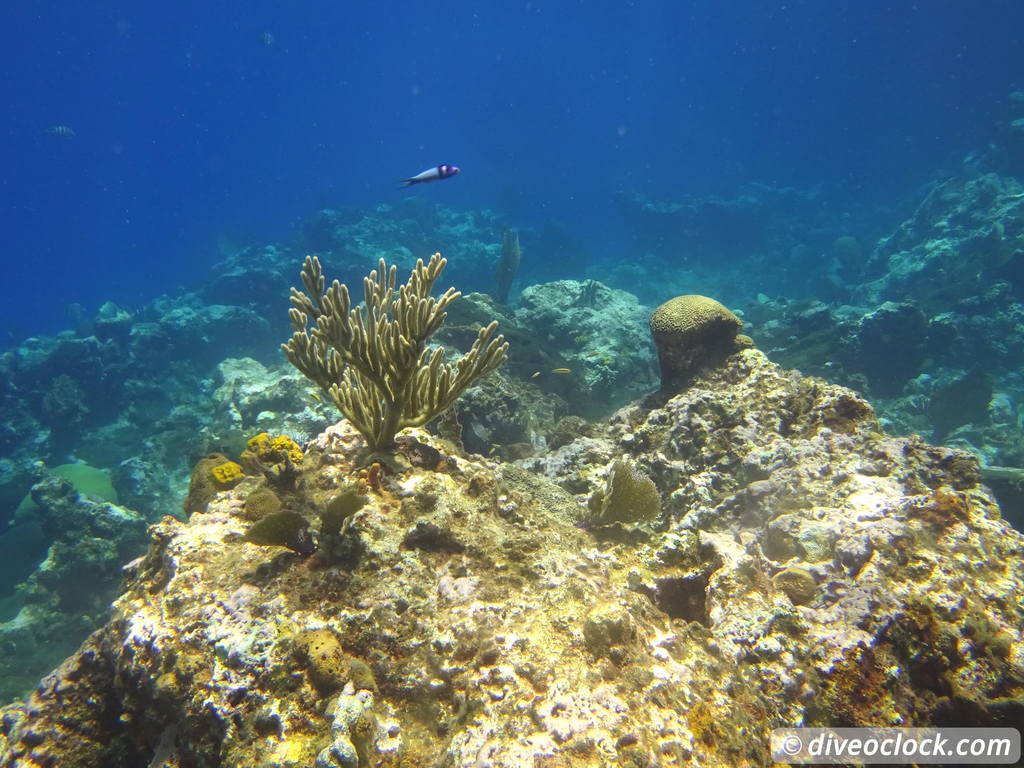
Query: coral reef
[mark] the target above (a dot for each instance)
(144, 395)
(252, 396)
(947, 251)
(68, 593)
(810, 570)
(346, 239)
(932, 325)
(133, 393)
(595, 332)
(803, 567)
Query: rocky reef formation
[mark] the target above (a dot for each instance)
(577, 350)
(473, 241)
(794, 242)
(964, 235)
(119, 388)
(928, 324)
(599, 335)
(67, 595)
(470, 240)
(805, 568)
(920, 308)
(932, 330)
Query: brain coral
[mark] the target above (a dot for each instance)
(260, 503)
(690, 330)
(629, 496)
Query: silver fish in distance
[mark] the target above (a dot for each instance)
(437, 173)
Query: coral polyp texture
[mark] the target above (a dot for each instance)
(373, 360)
(807, 569)
(690, 331)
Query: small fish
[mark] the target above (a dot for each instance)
(63, 131)
(561, 370)
(315, 396)
(535, 374)
(437, 173)
(268, 39)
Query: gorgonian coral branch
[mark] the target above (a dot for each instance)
(372, 360)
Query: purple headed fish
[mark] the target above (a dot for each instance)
(437, 173)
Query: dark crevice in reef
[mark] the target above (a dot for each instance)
(683, 597)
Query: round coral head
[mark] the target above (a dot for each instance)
(689, 332)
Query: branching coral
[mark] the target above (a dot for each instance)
(372, 360)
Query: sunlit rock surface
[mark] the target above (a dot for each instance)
(807, 570)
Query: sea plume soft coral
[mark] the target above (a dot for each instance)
(372, 360)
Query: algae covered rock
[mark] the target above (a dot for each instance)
(606, 627)
(890, 344)
(326, 663)
(797, 583)
(597, 333)
(353, 729)
(210, 475)
(69, 592)
(806, 569)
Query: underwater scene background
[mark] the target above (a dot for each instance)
(846, 178)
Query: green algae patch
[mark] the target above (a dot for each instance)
(88, 481)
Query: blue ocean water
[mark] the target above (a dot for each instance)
(234, 121)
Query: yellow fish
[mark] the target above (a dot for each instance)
(561, 370)
(315, 396)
